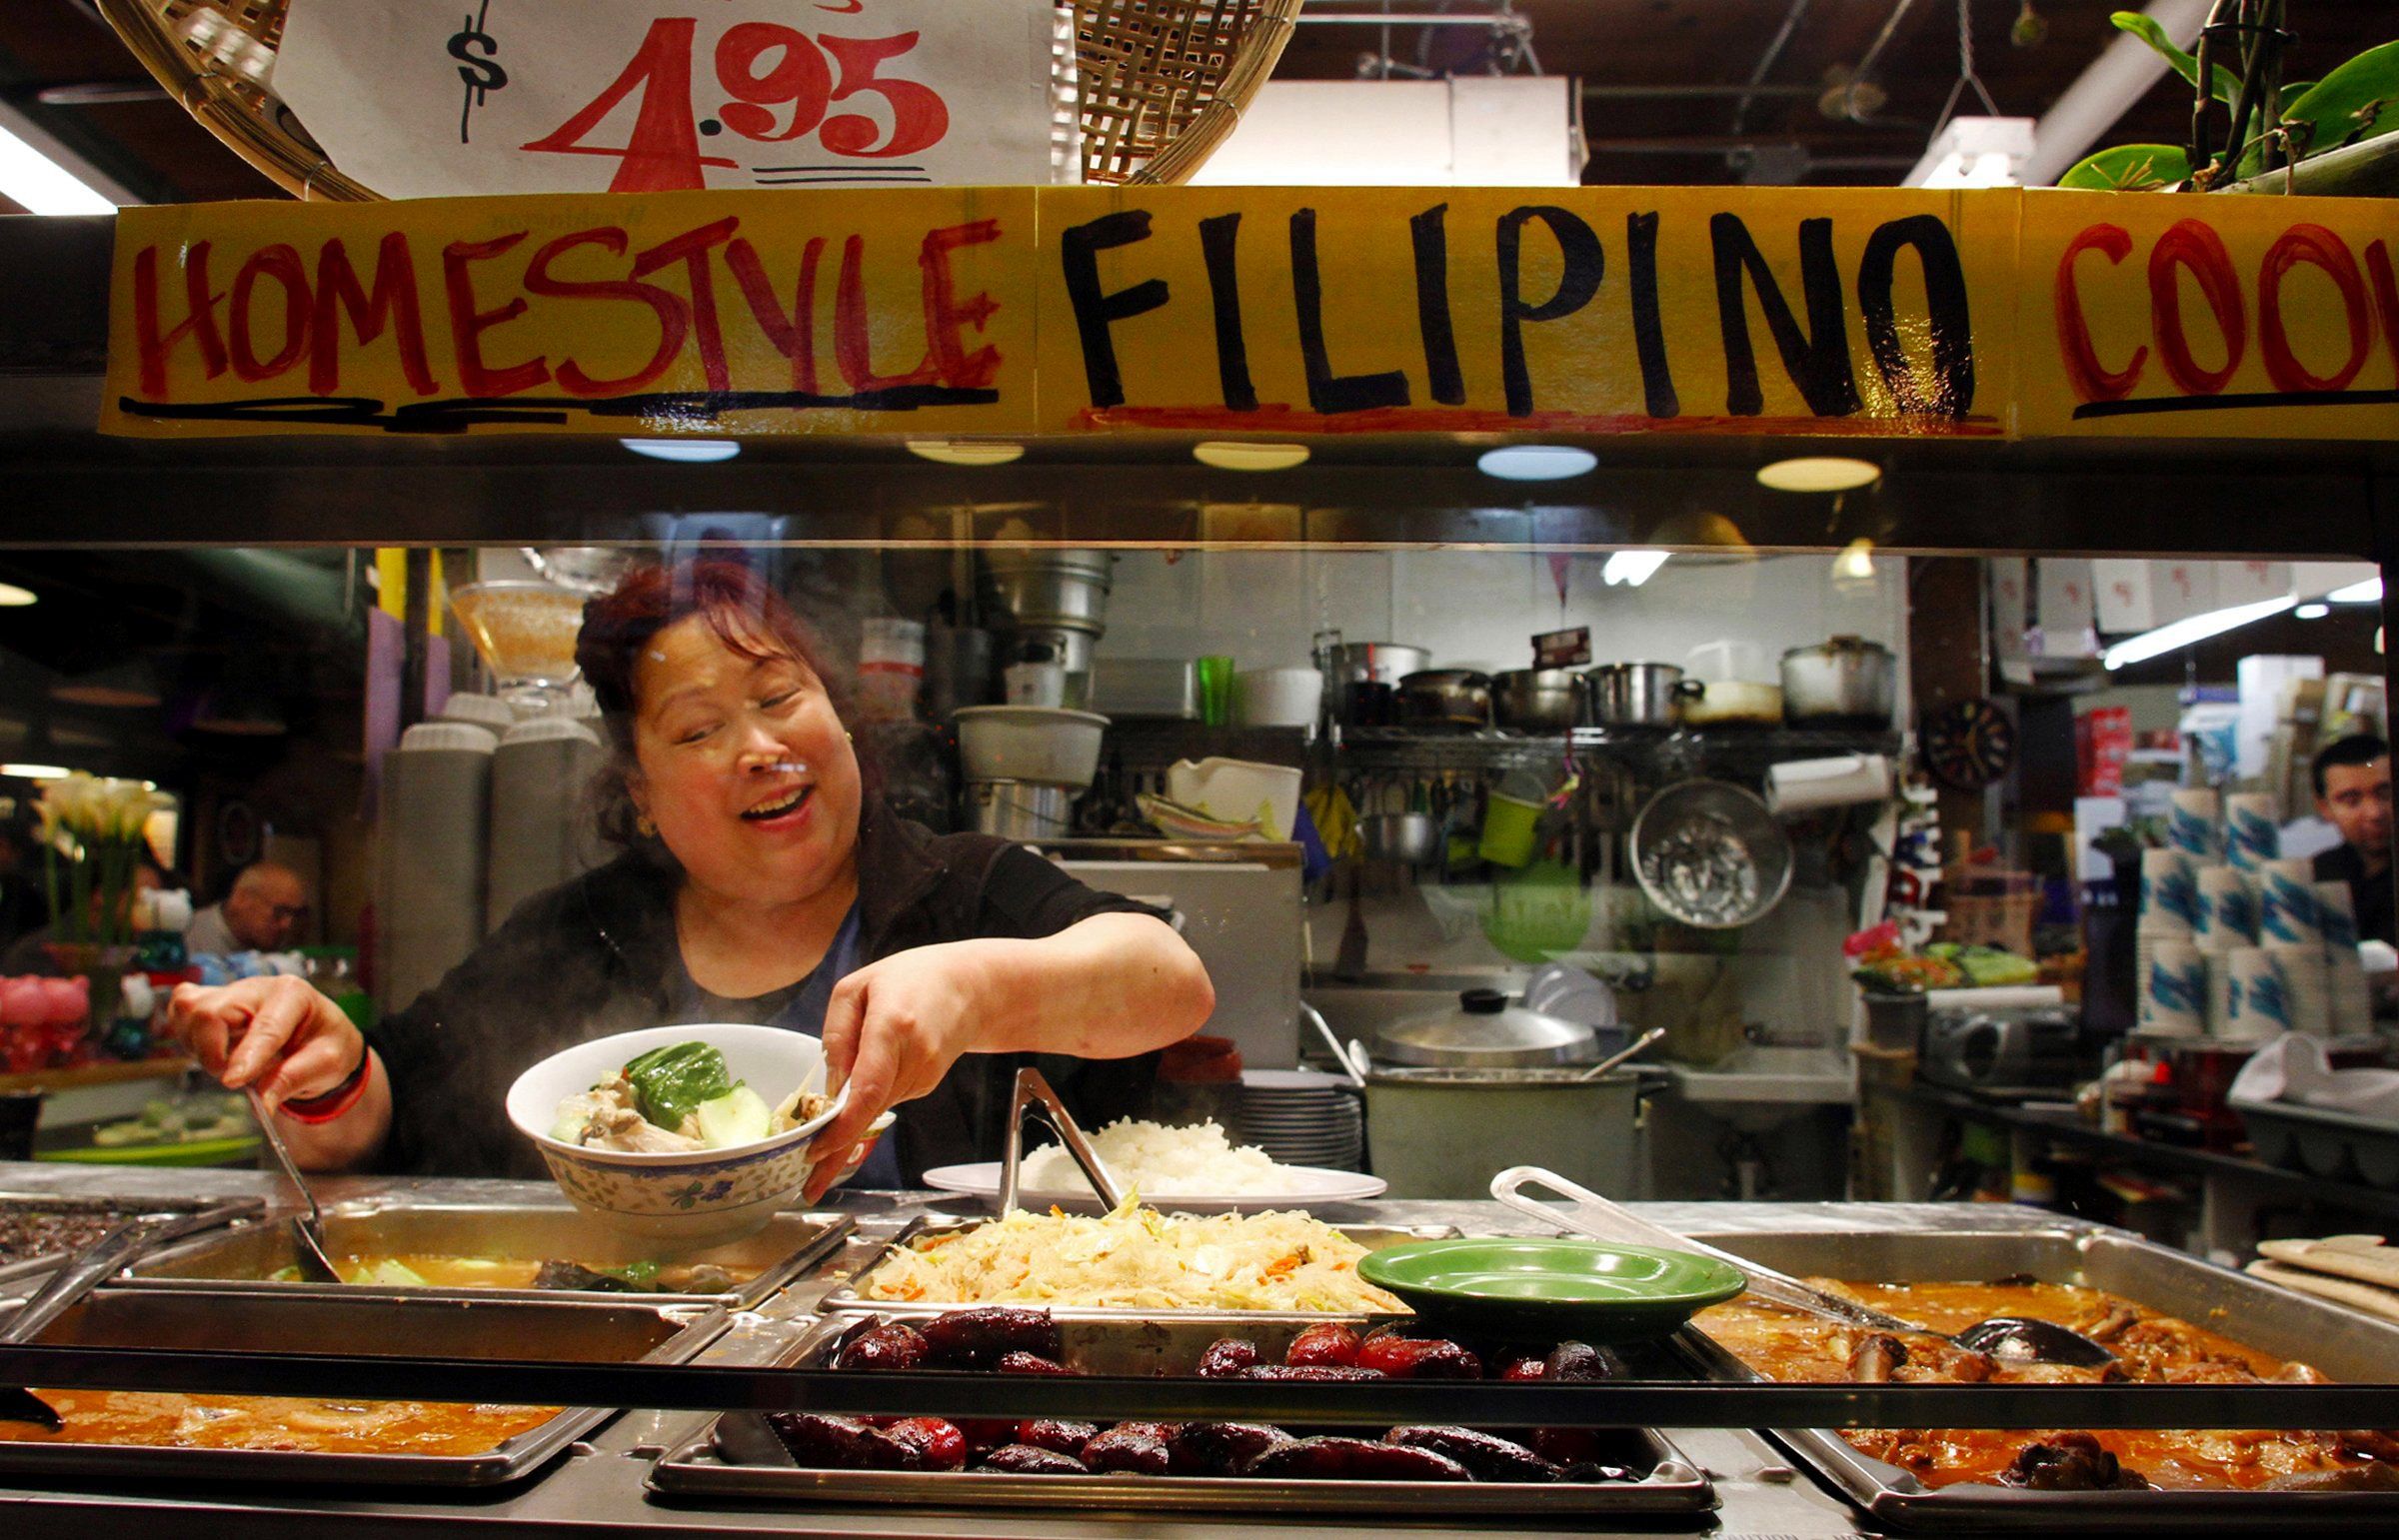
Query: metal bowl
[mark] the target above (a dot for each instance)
(1710, 855)
(1537, 700)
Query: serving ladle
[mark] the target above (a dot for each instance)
(2008, 1338)
(308, 1225)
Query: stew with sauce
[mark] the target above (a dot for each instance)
(156, 1419)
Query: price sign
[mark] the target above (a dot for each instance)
(418, 99)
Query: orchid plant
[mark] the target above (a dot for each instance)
(92, 828)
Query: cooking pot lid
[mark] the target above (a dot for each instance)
(1485, 1027)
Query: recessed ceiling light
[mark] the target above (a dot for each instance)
(2312, 612)
(1632, 568)
(41, 185)
(1536, 462)
(962, 452)
(1819, 472)
(684, 450)
(2366, 592)
(12, 596)
(1233, 454)
(35, 772)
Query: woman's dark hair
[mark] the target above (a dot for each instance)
(745, 611)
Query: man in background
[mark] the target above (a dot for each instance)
(2353, 794)
(263, 912)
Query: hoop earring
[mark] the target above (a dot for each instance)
(643, 827)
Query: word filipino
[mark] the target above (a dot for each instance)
(1485, 283)
(512, 327)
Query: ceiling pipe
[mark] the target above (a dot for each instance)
(2106, 90)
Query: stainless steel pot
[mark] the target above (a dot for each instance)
(1847, 681)
(1367, 663)
(1037, 590)
(1734, 704)
(1537, 700)
(1440, 1134)
(1486, 1030)
(1411, 839)
(1446, 698)
(1021, 809)
(1638, 695)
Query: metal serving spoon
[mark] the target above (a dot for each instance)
(309, 1226)
(2011, 1338)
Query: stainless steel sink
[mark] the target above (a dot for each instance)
(1762, 1085)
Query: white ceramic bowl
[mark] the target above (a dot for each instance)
(1278, 698)
(686, 1198)
(1030, 742)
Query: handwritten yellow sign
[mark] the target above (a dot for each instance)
(747, 313)
(1286, 310)
(2153, 316)
(1589, 310)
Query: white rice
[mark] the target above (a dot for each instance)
(1161, 1163)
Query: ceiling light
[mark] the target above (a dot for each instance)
(41, 185)
(684, 451)
(2197, 627)
(1855, 563)
(1632, 568)
(1232, 454)
(2312, 612)
(13, 598)
(35, 772)
(1819, 472)
(1976, 152)
(2366, 592)
(962, 452)
(1536, 462)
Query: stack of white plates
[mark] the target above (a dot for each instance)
(1303, 1117)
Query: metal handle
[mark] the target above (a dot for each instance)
(1602, 1220)
(1624, 1053)
(309, 1226)
(1032, 1094)
(1340, 1056)
(111, 1252)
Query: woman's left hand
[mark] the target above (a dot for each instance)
(892, 1031)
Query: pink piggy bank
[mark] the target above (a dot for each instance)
(23, 1003)
(66, 1001)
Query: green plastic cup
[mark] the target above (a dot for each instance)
(1507, 829)
(1214, 673)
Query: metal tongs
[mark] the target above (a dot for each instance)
(1034, 1096)
(66, 1288)
(2007, 1336)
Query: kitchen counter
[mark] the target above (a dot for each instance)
(597, 1487)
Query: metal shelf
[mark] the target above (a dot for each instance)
(1383, 748)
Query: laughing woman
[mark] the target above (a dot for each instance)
(763, 880)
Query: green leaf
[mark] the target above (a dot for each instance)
(2130, 168)
(2359, 100)
(2227, 84)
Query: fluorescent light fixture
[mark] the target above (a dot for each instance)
(965, 452)
(1976, 152)
(1536, 462)
(42, 185)
(1632, 568)
(35, 772)
(2197, 627)
(2366, 592)
(2312, 612)
(1819, 472)
(684, 451)
(14, 598)
(1233, 454)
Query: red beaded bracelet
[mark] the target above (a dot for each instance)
(333, 1103)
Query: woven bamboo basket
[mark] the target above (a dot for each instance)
(1158, 84)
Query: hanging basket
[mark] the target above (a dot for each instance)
(1156, 83)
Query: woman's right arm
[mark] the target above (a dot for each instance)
(294, 1044)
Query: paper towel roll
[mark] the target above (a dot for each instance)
(1799, 785)
(2227, 910)
(2336, 916)
(2175, 1003)
(2309, 982)
(2252, 828)
(2169, 894)
(2353, 997)
(2286, 906)
(2194, 824)
(2259, 1004)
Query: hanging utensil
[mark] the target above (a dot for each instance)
(2010, 1338)
(1032, 1094)
(1356, 1073)
(67, 1287)
(310, 1225)
(1624, 1053)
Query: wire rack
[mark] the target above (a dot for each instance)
(1155, 85)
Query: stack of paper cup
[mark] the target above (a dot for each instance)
(2169, 895)
(2175, 1003)
(2227, 910)
(2336, 916)
(2194, 825)
(2252, 828)
(2259, 1004)
(2352, 997)
(2286, 904)
(2309, 982)
(2220, 992)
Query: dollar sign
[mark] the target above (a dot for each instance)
(473, 49)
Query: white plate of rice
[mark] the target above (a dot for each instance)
(1196, 1169)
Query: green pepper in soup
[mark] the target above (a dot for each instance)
(669, 1083)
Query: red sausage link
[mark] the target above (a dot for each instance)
(1489, 1456)
(1331, 1458)
(1327, 1343)
(972, 1339)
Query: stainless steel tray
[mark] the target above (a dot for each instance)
(43, 1263)
(2342, 1343)
(755, 1466)
(360, 1320)
(242, 1259)
(844, 1296)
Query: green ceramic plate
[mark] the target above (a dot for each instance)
(1580, 1288)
